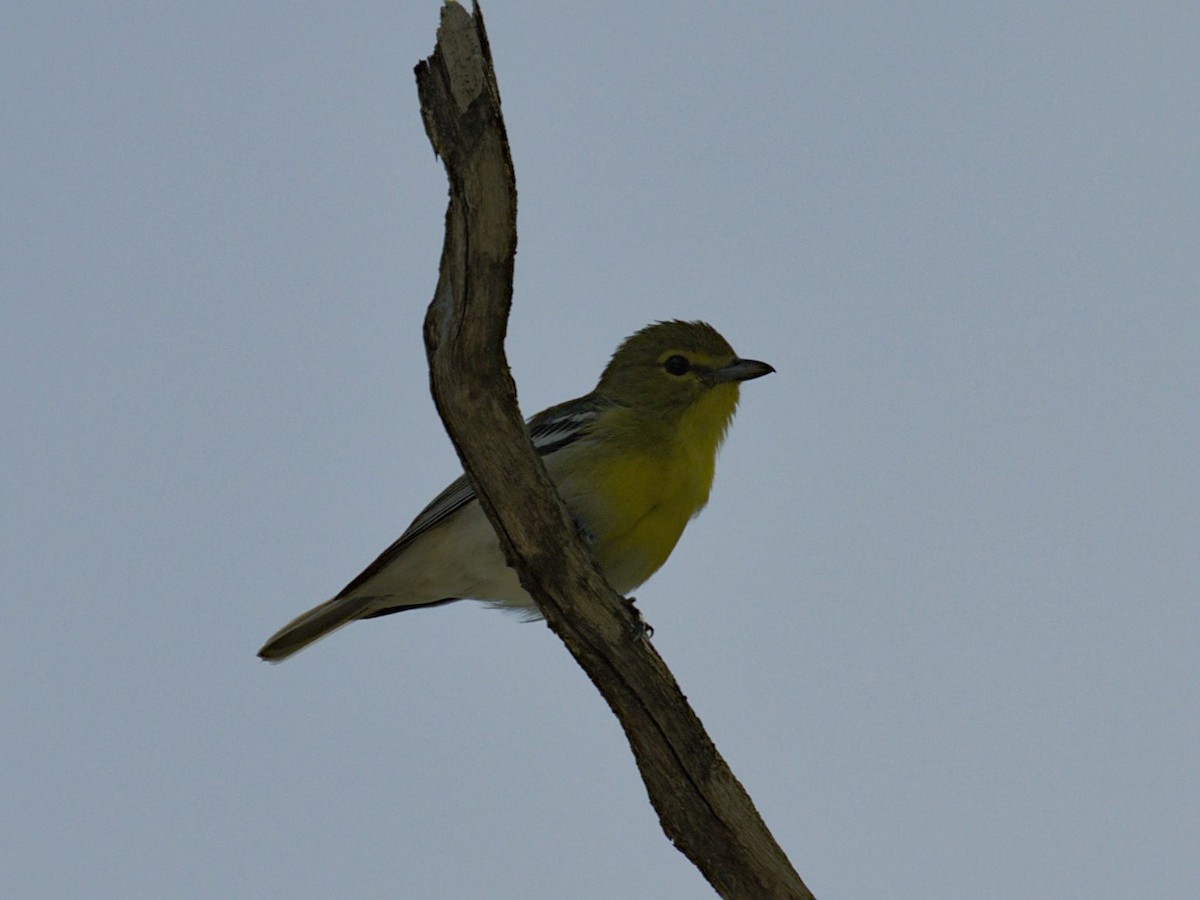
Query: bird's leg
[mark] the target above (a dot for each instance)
(643, 629)
(585, 534)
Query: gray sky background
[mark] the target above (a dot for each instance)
(941, 614)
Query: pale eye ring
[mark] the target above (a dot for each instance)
(677, 364)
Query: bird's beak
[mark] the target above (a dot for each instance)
(739, 370)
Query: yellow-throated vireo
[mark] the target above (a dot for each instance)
(633, 461)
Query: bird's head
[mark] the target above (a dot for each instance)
(670, 368)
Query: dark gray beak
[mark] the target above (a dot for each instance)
(739, 370)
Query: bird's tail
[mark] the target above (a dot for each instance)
(312, 626)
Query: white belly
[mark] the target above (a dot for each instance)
(459, 558)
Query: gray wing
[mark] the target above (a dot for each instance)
(550, 430)
(444, 505)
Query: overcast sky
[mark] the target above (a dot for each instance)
(941, 615)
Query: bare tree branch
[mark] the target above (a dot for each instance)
(703, 808)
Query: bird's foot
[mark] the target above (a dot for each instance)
(643, 631)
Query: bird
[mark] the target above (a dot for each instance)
(633, 461)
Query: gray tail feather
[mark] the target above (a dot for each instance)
(312, 626)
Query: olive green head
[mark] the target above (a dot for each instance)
(667, 367)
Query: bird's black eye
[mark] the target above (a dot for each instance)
(677, 365)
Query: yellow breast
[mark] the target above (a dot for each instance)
(635, 491)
